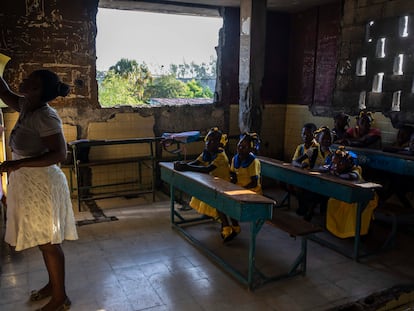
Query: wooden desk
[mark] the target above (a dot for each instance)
(386, 161)
(324, 184)
(235, 201)
(136, 185)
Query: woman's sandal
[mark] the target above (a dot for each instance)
(36, 295)
(63, 307)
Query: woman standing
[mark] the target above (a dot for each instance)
(39, 209)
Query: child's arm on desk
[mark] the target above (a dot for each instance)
(193, 166)
(310, 154)
(348, 176)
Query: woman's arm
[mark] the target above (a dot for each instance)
(56, 153)
(10, 99)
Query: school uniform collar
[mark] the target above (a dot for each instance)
(239, 163)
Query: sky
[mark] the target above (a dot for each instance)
(154, 38)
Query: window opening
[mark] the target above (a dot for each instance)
(403, 26)
(412, 86)
(398, 65)
(361, 101)
(361, 67)
(155, 58)
(377, 82)
(380, 48)
(368, 31)
(396, 98)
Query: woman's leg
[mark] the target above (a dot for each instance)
(54, 259)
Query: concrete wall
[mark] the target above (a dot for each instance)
(359, 39)
(60, 36)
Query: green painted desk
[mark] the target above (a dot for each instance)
(385, 161)
(136, 184)
(324, 184)
(233, 200)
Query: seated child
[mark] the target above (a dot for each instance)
(245, 172)
(403, 140)
(341, 124)
(340, 216)
(410, 148)
(401, 185)
(363, 134)
(306, 154)
(212, 161)
(324, 136)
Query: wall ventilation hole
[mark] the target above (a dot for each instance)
(412, 86)
(403, 26)
(398, 65)
(361, 101)
(396, 99)
(368, 31)
(380, 48)
(361, 66)
(377, 82)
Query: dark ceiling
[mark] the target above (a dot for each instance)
(205, 7)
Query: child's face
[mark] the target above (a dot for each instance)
(340, 122)
(341, 165)
(212, 143)
(325, 139)
(364, 125)
(307, 135)
(243, 148)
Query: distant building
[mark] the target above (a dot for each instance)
(179, 101)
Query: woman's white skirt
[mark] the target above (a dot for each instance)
(39, 208)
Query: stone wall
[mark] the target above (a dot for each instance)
(365, 25)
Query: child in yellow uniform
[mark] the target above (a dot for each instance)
(306, 154)
(245, 172)
(324, 137)
(213, 160)
(340, 216)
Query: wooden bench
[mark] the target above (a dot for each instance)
(295, 227)
(396, 215)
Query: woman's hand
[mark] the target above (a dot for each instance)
(9, 166)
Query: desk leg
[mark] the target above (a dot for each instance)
(358, 216)
(254, 230)
(172, 197)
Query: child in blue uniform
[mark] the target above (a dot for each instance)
(213, 160)
(306, 154)
(245, 172)
(324, 137)
(340, 216)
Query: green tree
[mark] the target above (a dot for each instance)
(166, 86)
(137, 75)
(193, 70)
(196, 90)
(115, 90)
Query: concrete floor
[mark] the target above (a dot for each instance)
(140, 263)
